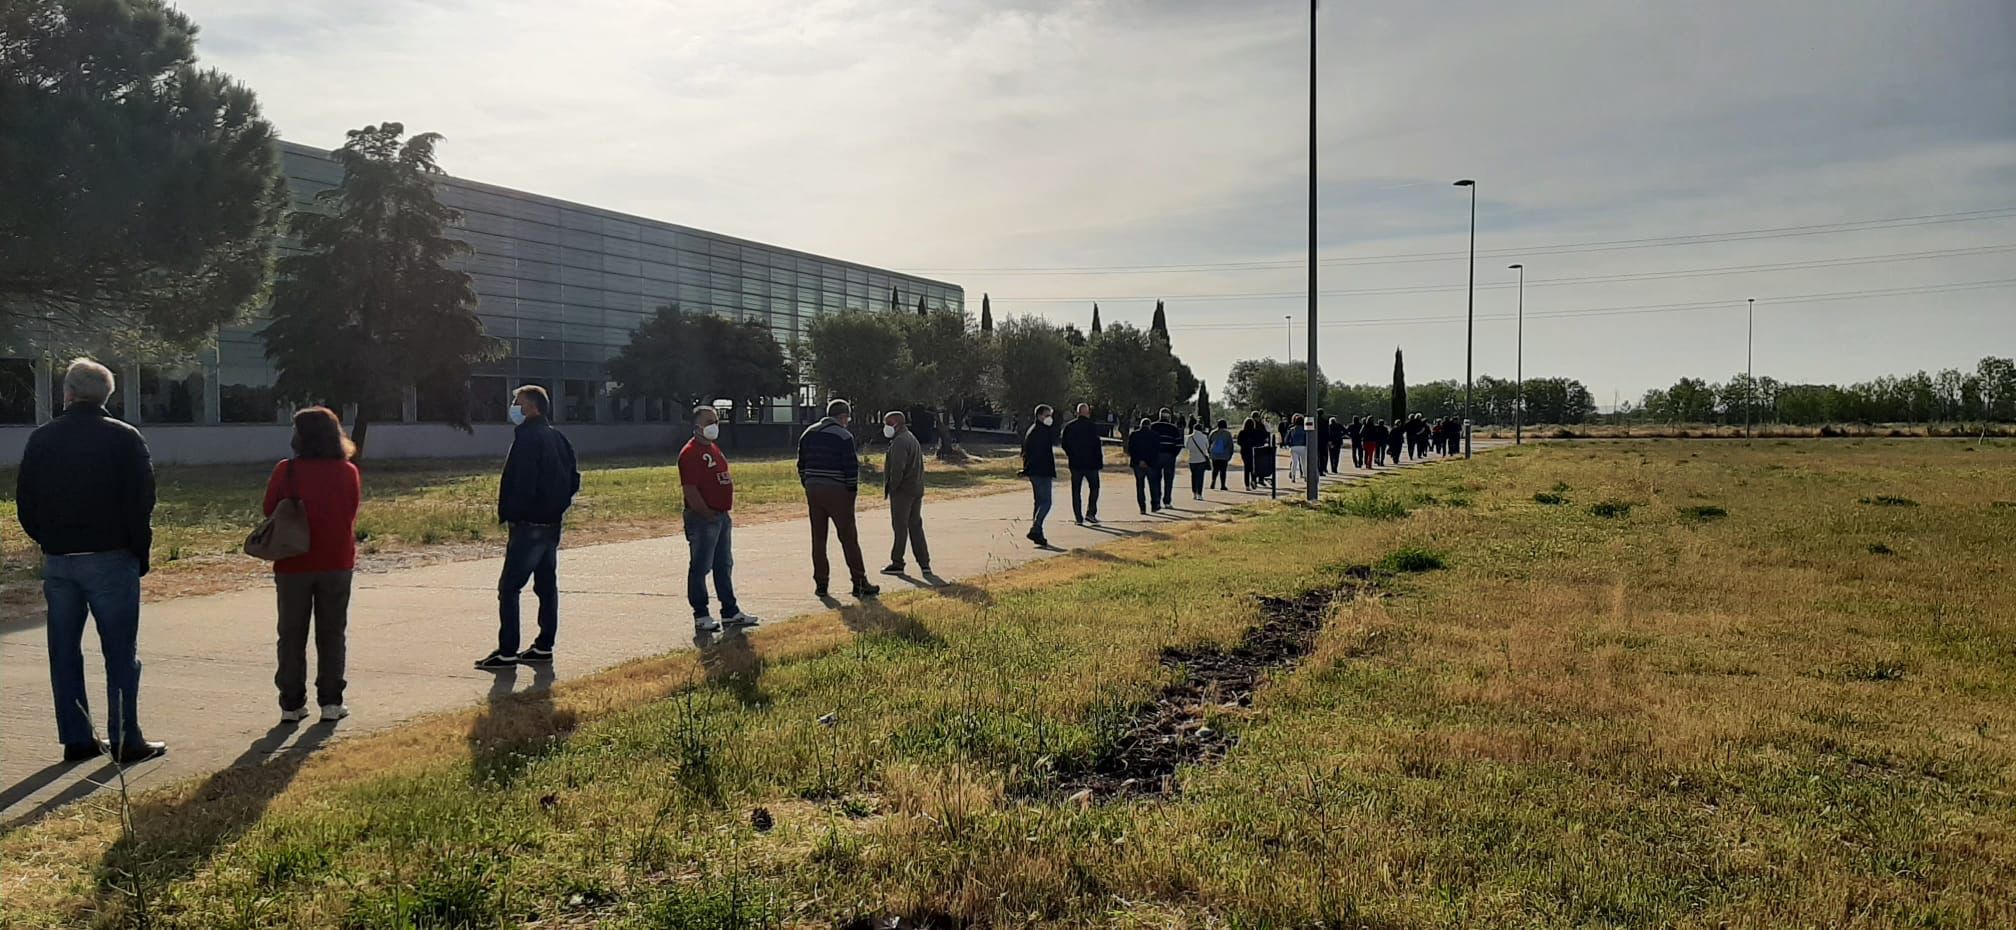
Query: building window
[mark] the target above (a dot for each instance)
(622, 407)
(488, 396)
(17, 390)
(654, 409)
(580, 400)
(174, 396)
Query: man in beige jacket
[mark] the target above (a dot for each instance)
(903, 485)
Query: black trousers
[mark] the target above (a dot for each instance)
(1218, 470)
(1197, 472)
(1081, 507)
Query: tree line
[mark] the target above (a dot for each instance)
(1275, 386)
(1988, 392)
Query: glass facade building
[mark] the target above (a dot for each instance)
(563, 285)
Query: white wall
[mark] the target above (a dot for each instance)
(207, 445)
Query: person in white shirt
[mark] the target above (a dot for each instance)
(1197, 453)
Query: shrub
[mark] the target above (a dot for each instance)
(1370, 503)
(1411, 559)
(1886, 500)
(1877, 548)
(1610, 509)
(1703, 512)
(1549, 498)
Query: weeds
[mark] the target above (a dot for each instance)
(1411, 559)
(1549, 498)
(1887, 500)
(1703, 513)
(1372, 503)
(1610, 509)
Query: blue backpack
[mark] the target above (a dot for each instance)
(1221, 448)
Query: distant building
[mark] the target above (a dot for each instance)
(562, 284)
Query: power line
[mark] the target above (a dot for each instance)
(1775, 232)
(1725, 304)
(1557, 282)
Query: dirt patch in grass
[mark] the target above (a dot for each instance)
(1886, 500)
(1703, 512)
(1172, 730)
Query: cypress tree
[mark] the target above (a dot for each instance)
(1159, 327)
(986, 315)
(1095, 319)
(1399, 388)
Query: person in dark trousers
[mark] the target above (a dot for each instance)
(1251, 436)
(1333, 444)
(1085, 456)
(708, 492)
(313, 588)
(903, 487)
(1142, 450)
(85, 495)
(1375, 437)
(1197, 454)
(1319, 441)
(540, 481)
(1356, 434)
(1039, 465)
(1168, 445)
(830, 471)
(1222, 445)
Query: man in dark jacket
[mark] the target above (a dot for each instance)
(1356, 434)
(1251, 436)
(540, 481)
(1039, 465)
(830, 471)
(1142, 451)
(1168, 445)
(85, 494)
(1085, 456)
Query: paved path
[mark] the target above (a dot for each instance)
(207, 683)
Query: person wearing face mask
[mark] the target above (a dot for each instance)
(830, 471)
(903, 485)
(540, 481)
(710, 494)
(1039, 465)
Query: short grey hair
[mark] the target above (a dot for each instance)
(87, 380)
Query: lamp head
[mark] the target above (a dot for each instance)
(1466, 182)
(1514, 267)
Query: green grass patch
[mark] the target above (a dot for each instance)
(1411, 559)
(1372, 503)
(1703, 513)
(1610, 509)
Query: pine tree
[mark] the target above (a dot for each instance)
(1159, 327)
(1095, 320)
(921, 309)
(1399, 388)
(986, 315)
(893, 301)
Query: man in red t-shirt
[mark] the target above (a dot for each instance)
(710, 494)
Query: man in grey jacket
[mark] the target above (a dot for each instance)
(903, 485)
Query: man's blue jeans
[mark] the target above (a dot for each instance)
(107, 586)
(1041, 489)
(533, 552)
(1148, 487)
(709, 549)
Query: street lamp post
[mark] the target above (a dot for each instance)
(1314, 388)
(1470, 315)
(1750, 368)
(1519, 366)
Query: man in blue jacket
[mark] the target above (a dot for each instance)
(540, 481)
(830, 471)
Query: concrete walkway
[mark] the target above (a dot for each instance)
(207, 688)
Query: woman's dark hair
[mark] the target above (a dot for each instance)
(318, 434)
(1221, 423)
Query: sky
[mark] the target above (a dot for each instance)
(1849, 164)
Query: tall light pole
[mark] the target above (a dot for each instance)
(1314, 388)
(1289, 322)
(1750, 368)
(1519, 366)
(1470, 316)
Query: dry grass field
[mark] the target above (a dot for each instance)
(1631, 684)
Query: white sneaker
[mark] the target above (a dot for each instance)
(296, 715)
(740, 619)
(706, 624)
(330, 712)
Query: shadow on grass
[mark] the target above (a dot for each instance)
(732, 665)
(875, 618)
(959, 590)
(174, 836)
(516, 728)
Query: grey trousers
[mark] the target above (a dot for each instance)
(906, 518)
(324, 596)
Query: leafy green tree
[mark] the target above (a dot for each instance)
(1035, 366)
(1159, 326)
(861, 356)
(139, 194)
(699, 358)
(1122, 371)
(949, 363)
(1268, 385)
(1399, 388)
(1074, 336)
(1996, 382)
(369, 305)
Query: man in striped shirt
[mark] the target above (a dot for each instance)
(830, 471)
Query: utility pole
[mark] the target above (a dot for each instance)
(1519, 366)
(1315, 388)
(1750, 369)
(1470, 316)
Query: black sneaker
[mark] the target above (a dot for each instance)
(84, 752)
(497, 662)
(536, 656)
(1093, 520)
(864, 589)
(893, 568)
(820, 591)
(135, 753)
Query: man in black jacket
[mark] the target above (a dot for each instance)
(540, 481)
(1039, 465)
(1168, 445)
(829, 468)
(85, 494)
(1085, 456)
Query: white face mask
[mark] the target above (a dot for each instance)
(888, 432)
(710, 432)
(1046, 421)
(516, 415)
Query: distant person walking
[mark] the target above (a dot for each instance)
(830, 471)
(1298, 450)
(1039, 465)
(313, 588)
(1333, 442)
(540, 481)
(903, 485)
(1222, 445)
(1356, 434)
(1085, 455)
(1197, 454)
(1251, 437)
(1142, 450)
(1375, 438)
(85, 495)
(1169, 445)
(708, 490)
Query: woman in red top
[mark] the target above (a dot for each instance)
(316, 584)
